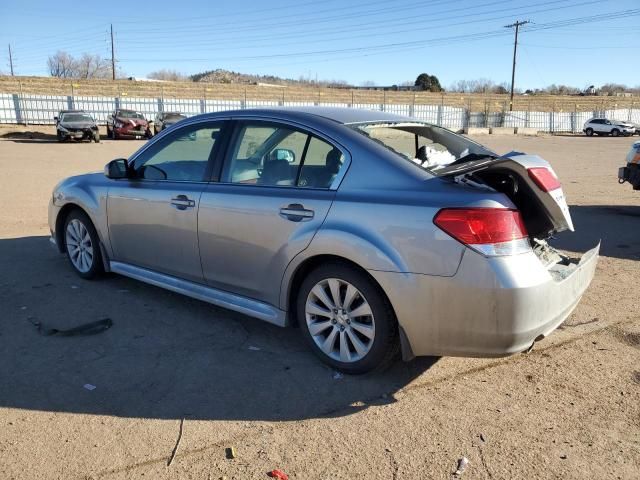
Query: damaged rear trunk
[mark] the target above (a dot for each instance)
(530, 184)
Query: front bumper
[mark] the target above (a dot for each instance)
(130, 131)
(79, 134)
(631, 174)
(491, 307)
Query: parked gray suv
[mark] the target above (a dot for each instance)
(372, 232)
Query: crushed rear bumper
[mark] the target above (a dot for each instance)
(491, 307)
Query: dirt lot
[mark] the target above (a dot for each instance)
(568, 409)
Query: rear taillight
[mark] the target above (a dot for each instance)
(490, 231)
(544, 178)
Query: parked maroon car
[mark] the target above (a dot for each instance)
(127, 123)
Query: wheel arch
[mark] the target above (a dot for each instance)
(64, 212)
(309, 264)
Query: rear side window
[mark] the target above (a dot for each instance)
(269, 154)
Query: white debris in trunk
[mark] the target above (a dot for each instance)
(435, 157)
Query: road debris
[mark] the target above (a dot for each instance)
(255, 349)
(90, 328)
(462, 466)
(89, 387)
(337, 375)
(230, 453)
(175, 449)
(279, 474)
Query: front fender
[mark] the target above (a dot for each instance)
(88, 192)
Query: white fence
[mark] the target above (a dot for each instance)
(40, 109)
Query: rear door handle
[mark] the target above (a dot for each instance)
(296, 213)
(182, 202)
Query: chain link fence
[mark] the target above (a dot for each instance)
(40, 109)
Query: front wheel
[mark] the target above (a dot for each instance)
(346, 319)
(589, 132)
(82, 245)
(615, 132)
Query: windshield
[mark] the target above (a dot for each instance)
(130, 114)
(76, 117)
(427, 146)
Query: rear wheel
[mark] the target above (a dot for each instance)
(82, 245)
(96, 136)
(346, 319)
(615, 132)
(589, 132)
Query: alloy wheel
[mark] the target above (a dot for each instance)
(79, 246)
(340, 320)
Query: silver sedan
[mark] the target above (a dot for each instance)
(374, 233)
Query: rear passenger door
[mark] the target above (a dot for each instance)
(263, 208)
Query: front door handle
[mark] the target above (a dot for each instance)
(296, 213)
(182, 202)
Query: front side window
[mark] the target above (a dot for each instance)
(183, 156)
(269, 154)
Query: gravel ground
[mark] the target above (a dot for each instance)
(569, 409)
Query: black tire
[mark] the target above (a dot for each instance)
(385, 346)
(96, 137)
(615, 132)
(589, 132)
(108, 132)
(61, 137)
(96, 267)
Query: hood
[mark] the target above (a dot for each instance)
(622, 124)
(83, 124)
(135, 122)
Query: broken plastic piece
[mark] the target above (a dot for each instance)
(279, 474)
(230, 452)
(90, 328)
(89, 387)
(462, 465)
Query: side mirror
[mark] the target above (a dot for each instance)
(55, 118)
(118, 168)
(283, 154)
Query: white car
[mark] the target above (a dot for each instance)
(603, 126)
(631, 173)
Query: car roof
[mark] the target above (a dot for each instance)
(72, 111)
(343, 116)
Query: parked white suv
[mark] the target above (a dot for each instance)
(603, 126)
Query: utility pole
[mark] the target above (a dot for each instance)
(113, 58)
(515, 49)
(10, 60)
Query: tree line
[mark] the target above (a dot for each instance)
(65, 65)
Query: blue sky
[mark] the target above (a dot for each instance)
(384, 41)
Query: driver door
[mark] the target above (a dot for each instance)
(153, 217)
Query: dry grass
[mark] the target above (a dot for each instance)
(474, 102)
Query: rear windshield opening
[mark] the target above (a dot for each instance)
(425, 145)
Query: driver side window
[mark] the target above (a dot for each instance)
(182, 156)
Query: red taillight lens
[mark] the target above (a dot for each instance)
(481, 226)
(544, 178)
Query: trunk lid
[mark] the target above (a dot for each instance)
(544, 210)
